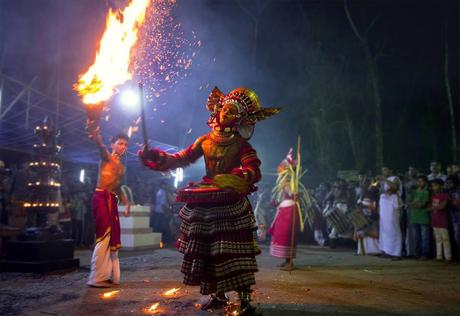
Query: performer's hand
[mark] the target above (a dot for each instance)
(143, 153)
(93, 129)
(147, 154)
(127, 210)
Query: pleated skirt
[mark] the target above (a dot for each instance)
(219, 246)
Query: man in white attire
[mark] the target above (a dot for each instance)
(390, 236)
(105, 265)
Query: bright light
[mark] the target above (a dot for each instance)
(82, 175)
(129, 98)
(178, 176)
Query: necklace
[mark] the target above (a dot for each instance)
(223, 138)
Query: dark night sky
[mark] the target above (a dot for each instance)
(304, 49)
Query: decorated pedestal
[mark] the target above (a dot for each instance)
(42, 247)
(135, 231)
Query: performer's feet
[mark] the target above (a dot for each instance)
(287, 267)
(283, 264)
(102, 284)
(216, 302)
(246, 308)
(114, 283)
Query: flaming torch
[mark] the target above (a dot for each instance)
(111, 66)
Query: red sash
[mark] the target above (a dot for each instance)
(105, 211)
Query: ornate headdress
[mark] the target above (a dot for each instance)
(288, 161)
(248, 105)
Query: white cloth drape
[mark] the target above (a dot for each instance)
(105, 264)
(390, 237)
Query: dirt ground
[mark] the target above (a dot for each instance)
(325, 282)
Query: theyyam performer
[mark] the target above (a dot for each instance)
(217, 234)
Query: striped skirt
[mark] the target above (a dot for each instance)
(284, 240)
(219, 246)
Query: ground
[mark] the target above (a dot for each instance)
(325, 282)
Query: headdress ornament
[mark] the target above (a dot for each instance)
(248, 105)
(288, 161)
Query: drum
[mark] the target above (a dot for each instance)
(337, 219)
(208, 194)
(312, 210)
(358, 219)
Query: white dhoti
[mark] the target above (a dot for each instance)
(370, 245)
(105, 265)
(390, 237)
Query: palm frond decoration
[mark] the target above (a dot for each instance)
(291, 177)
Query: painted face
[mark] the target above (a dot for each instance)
(120, 146)
(228, 116)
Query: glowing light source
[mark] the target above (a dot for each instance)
(111, 66)
(129, 99)
(171, 293)
(178, 176)
(82, 175)
(108, 295)
(152, 310)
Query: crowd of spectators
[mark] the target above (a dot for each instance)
(411, 214)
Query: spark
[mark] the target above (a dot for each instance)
(166, 51)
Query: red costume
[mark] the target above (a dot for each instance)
(105, 212)
(286, 224)
(217, 234)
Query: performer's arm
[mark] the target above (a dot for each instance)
(159, 160)
(95, 135)
(241, 179)
(249, 170)
(124, 199)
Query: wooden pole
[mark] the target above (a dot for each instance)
(295, 210)
(144, 125)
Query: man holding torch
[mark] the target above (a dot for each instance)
(96, 86)
(105, 265)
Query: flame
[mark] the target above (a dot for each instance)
(111, 66)
(162, 244)
(152, 310)
(171, 292)
(111, 294)
(231, 310)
